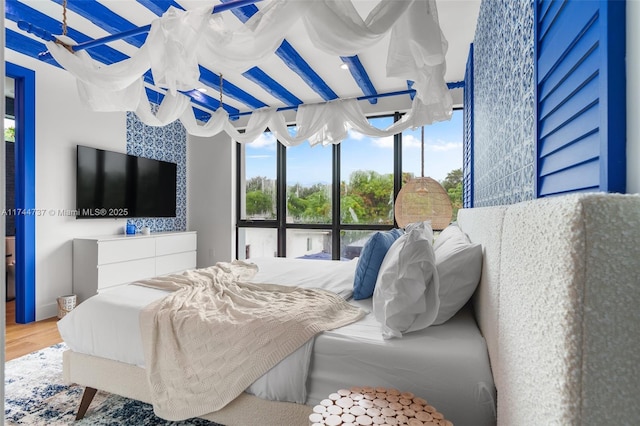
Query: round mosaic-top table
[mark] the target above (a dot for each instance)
(364, 406)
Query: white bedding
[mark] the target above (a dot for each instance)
(106, 325)
(447, 364)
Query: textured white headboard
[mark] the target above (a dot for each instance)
(484, 225)
(559, 305)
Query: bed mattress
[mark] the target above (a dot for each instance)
(447, 364)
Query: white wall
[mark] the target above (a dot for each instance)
(210, 197)
(633, 96)
(62, 123)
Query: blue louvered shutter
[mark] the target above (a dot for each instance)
(580, 83)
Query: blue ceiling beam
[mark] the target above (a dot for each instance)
(361, 77)
(456, 84)
(23, 44)
(112, 22)
(360, 98)
(410, 92)
(197, 98)
(450, 85)
(291, 58)
(159, 6)
(157, 97)
(16, 11)
(212, 80)
(271, 86)
(207, 77)
(410, 86)
(255, 74)
(32, 48)
(106, 19)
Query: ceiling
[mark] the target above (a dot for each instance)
(297, 73)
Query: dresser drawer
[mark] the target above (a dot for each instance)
(125, 272)
(169, 244)
(113, 260)
(126, 249)
(173, 263)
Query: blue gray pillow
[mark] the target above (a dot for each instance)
(370, 260)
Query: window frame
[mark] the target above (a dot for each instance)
(280, 223)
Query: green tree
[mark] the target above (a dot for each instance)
(406, 177)
(454, 177)
(259, 204)
(309, 203)
(455, 195)
(374, 190)
(296, 206)
(453, 185)
(306, 191)
(10, 134)
(318, 207)
(259, 183)
(351, 208)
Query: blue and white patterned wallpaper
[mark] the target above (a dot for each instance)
(504, 103)
(167, 143)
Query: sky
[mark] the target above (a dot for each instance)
(309, 165)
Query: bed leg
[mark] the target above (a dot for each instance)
(87, 397)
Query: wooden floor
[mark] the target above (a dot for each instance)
(21, 339)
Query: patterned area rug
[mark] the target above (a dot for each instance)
(35, 394)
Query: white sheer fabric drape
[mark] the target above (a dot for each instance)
(181, 40)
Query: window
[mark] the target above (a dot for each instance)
(366, 186)
(442, 155)
(309, 183)
(258, 186)
(309, 243)
(257, 242)
(324, 202)
(257, 198)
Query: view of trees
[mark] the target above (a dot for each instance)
(366, 198)
(260, 198)
(10, 134)
(453, 185)
(309, 204)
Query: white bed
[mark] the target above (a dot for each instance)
(448, 364)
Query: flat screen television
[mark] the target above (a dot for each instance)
(114, 185)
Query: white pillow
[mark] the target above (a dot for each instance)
(448, 232)
(405, 298)
(459, 265)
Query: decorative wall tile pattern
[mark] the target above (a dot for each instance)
(504, 103)
(168, 143)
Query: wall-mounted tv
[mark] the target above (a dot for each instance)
(111, 184)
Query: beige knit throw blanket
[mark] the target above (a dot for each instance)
(215, 334)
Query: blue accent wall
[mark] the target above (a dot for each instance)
(549, 99)
(467, 145)
(504, 108)
(166, 143)
(581, 88)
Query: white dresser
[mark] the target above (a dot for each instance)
(111, 260)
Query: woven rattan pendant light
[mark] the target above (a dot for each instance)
(423, 199)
